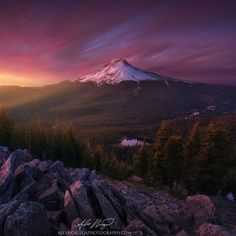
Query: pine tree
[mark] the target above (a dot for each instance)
(141, 160)
(19, 137)
(6, 128)
(174, 159)
(113, 167)
(157, 163)
(192, 154)
(36, 139)
(87, 155)
(215, 159)
(54, 143)
(98, 156)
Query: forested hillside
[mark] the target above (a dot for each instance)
(197, 154)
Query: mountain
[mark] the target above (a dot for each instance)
(119, 98)
(119, 70)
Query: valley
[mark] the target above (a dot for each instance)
(133, 105)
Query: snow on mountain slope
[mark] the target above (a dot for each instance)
(119, 70)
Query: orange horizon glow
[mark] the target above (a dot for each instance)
(8, 79)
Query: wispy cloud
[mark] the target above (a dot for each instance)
(45, 41)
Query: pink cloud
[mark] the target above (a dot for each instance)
(47, 41)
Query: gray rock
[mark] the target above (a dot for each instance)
(137, 227)
(24, 179)
(44, 166)
(82, 174)
(116, 200)
(7, 170)
(52, 198)
(136, 179)
(212, 230)
(74, 224)
(56, 216)
(6, 210)
(92, 176)
(16, 158)
(28, 165)
(70, 208)
(202, 208)
(3, 158)
(58, 168)
(26, 156)
(7, 179)
(29, 219)
(77, 203)
(36, 188)
(152, 214)
(8, 192)
(80, 196)
(134, 213)
(181, 233)
(106, 207)
(62, 228)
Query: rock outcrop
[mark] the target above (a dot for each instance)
(45, 198)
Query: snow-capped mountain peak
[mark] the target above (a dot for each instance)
(119, 70)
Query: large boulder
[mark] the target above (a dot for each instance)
(44, 166)
(58, 168)
(77, 203)
(52, 198)
(75, 224)
(7, 170)
(152, 213)
(105, 206)
(7, 179)
(6, 210)
(70, 208)
(116, 199)
(212, 230)
(36, 188)
(29, 219)
(201, 207)
(137, 227)
(80, 196)
(7, 194)
(136, 179)
(181, 233)
(134, 213)
(82, 174)
(25, 155)
(56, 218)
(3, 157)
(28, 165)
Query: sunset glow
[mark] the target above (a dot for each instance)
(11, 79)
(48, 41)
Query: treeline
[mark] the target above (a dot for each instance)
(202, 159)
(200, 156)
(59, 143)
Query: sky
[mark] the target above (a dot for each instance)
(46, 41)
